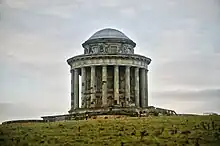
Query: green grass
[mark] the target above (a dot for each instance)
(176, 130)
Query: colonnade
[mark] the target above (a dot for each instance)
(140, 85)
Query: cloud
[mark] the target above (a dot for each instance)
(188, 101)
(128, 12)
(191, 71)
(18, 111)
(192, 94)
(109, 3)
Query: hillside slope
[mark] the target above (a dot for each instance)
(176, 130)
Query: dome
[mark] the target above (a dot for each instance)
(108, 33)
(106, 38)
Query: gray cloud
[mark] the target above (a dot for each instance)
(192, 95)
(188, 101)
(16, 111)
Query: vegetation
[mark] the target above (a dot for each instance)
(124, 131)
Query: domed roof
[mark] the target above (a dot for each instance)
(108, 33)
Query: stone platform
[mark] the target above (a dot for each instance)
(80, 114)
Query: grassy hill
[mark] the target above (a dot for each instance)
(176, 130)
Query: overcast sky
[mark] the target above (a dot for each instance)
(182, 37)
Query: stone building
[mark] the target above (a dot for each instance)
(112, 75)
(113, 80)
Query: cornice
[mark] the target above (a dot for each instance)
(109, 56)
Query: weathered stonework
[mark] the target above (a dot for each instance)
(83, 113)
(108, 48)
(114, 80)
(111, 74)
(116, 59)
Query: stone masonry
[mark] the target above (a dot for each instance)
(111, 74)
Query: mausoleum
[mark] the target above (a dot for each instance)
(114, 80)
(112, 75)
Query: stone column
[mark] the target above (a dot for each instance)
(116, 83)
(104, 86)
(83, 88)
(76, 88)
(142, 87)
(136, 87)
(146, 88)
(72, 89)
(92, 86)
(127, 85)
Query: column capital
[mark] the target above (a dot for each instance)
(127, 66)
(92, 66)
(73, 69)
(137, 69)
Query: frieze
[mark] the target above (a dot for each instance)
(108, 48)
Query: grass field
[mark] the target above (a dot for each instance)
(176, 130)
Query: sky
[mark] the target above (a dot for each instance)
(182, 37)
